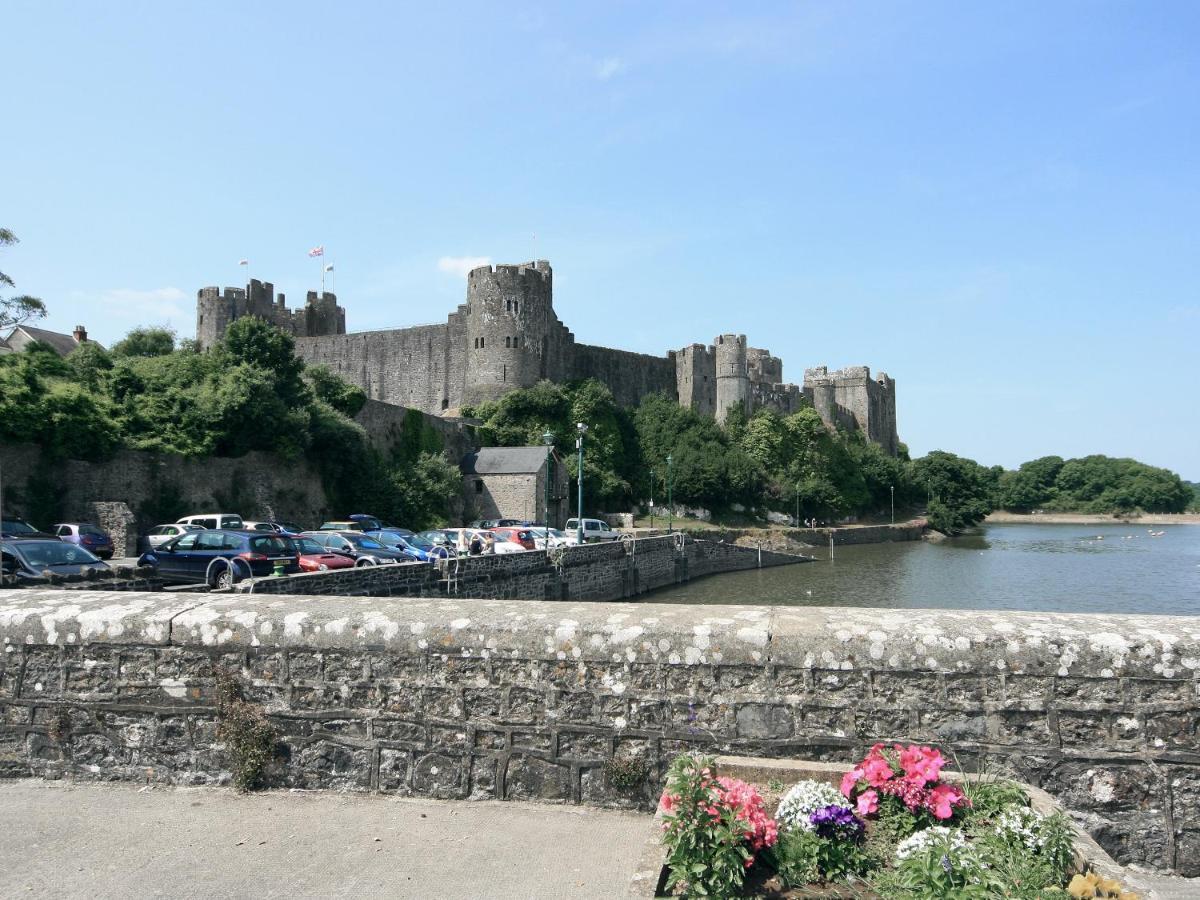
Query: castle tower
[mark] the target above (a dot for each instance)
(509, 329)
(215, 311)
(696, 378)
(733, 375)
(321, 315)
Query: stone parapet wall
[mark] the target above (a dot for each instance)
(530, 700)
(610, 571)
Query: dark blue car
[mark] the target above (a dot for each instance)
(220, 558)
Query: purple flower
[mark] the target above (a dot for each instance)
(838, 823)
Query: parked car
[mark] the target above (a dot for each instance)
(160, 534)
(436, 536)
(594, 530)
(363, 549)
(408, 543)
(342, 525)
(549, 538)
(227, 521)
(367, 523)
(192, 558)
(462, 539)
(91, 537)
(19, 528)
(30, 557)
(522, 536)
(274, 527)
(314, 557)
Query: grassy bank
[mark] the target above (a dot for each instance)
(1007, 518)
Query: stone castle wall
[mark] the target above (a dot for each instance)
(529, 700)
(507, 336)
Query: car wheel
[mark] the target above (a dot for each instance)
(362, 563)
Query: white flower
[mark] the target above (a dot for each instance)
(805, 798)
(1021, 824)
(950, 840)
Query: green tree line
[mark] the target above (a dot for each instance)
(250, 392)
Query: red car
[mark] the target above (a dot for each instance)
(522, 536)
(315, 558)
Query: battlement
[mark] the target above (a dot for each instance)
(313, 298)
(822, 373)
(540, 267)
(731, 340)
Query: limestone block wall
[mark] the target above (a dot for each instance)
(529, 700)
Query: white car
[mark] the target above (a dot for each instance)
(594, 530)
(160, 534)
(213, 521)
(549, 538)
(461, 539)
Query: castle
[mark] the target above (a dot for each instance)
(507, 336)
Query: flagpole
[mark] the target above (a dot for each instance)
(322, 259)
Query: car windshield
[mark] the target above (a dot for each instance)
(554, 532)
(308, 545)
(391, 536)
(47, 554)
(363, 542)
(16, 526)
(420, 543)
(93, 530)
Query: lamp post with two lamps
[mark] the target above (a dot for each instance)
(581, 430)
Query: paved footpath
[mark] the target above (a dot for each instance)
(59, 839)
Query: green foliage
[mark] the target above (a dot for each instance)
(626, 772)
(346, 398)
(959, 490)
(1099, 484)
(988, 798)
(1194, 502)
(22, 308)
(146, 342)
(249, 737)
(706, 855)
(803, 857)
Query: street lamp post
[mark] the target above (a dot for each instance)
(548, 440)
(892, 493)
(581, 430)
(797, 504)
(670, 498)
(651, 499)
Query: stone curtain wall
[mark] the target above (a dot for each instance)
(611, 571)
(520, 700)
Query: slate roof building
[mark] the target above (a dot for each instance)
(24, 335)
(510, 483)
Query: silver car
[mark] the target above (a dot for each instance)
(160, 534)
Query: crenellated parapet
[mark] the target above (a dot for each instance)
(850, 398)
(216, 310)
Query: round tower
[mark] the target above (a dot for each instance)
(733, 375)
(509, 314)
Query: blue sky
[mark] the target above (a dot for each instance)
(995, 203)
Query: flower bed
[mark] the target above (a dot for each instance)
(894, 826)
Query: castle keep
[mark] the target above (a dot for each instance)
(507, 336)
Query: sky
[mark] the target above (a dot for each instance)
(995, 203)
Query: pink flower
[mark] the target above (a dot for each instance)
(943, 799)
(877, 771)
(921, 763)
(667, 802)
(850, 779)
(868, 802)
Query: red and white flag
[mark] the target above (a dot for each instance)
(317, 251)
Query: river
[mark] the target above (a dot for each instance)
(1059, 568)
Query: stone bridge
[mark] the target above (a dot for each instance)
(533, 699)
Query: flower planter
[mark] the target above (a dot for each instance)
(652, 876)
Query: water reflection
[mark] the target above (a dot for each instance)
(1034, 567)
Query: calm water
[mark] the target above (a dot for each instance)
(1063, 568)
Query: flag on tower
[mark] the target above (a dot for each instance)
(244, 262)
(329, 268)
(317, 251)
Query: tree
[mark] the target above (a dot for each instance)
(959, 490)
(346, 398)
(19, 309)
(146, 342)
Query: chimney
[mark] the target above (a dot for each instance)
(80, 334)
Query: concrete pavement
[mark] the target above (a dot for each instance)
(59, 839)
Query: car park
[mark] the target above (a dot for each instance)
(367, 523)
(340, 525)
(273, 527)
(594, 530)
(228, 521)
(549, 538)
(28, 557)
(466, 540)
(313, 557)
(408, 543)
(363, 549)
(160, 534)
(91, 537)
(220, 557)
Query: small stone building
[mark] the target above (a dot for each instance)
(510, 483)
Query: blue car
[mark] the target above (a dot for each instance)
(410, 544)
(220, 558)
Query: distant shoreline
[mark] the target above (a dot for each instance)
(1055, 518)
